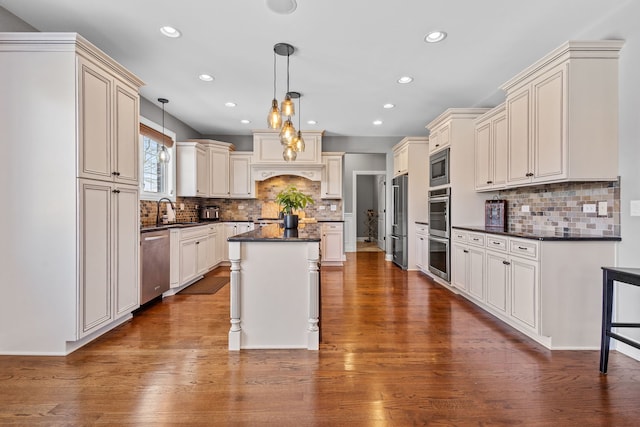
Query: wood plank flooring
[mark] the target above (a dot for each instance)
(398, 350)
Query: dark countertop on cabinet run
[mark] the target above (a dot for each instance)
(277, 233)
(422, 222)
(149, 228)
(540, 235)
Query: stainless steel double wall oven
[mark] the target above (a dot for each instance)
(439, 232)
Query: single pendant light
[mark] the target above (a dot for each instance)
(274, 119)
(287, 106)
(163, 156)
(287, 133)
(289, 154)
(298, 141)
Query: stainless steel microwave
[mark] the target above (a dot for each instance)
(439, 168)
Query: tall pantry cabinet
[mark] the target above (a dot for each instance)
(70, 247)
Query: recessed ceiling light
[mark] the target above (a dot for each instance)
(283, 7)
(312, 122)
(245, 121)
(206, 77)
(170, 32)
(387, 106)
(377, 122)
(230, 104)
(405, 79)
(435, 36)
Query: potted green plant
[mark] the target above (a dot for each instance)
(292, 199)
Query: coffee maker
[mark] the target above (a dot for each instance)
(209, 213)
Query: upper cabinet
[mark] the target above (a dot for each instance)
(562, 116)
(331, 184)
(490, 150)
(439, 137)
(203, 168)
(108, 126)
(267, 148)
(241, 183)
(400, 160)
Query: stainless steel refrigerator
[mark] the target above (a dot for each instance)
(399, 221)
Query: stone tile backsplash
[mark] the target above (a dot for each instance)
(249, 209)
(558, 208)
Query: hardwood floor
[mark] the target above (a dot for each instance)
(398, 350)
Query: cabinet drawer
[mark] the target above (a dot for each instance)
(334, 227)
(460, 236)
(194, 232)
(422, 229)
(476, 239)
(497, 243)
(524, 248)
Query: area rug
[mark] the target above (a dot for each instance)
(207, 285)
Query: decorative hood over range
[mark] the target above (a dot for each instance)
(268, 161)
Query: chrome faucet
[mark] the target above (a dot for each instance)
(158, 210)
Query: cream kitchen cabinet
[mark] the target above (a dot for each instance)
(490, 151)
(468, 259)
(109, 242)
(241, 184)
(267, 148)
(194, 252)
(562, 116)
(203, 168)
(331, 184)
(232, 229)
(400, 161)
(109, 128)
(422, 247)
(439, 138)
(214, 245)
(331, 243)
(218, 172)
(497, 280)
(71, 124)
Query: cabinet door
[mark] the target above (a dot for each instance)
(420, 238)
(518, 137)
(126, 135)
(524, 291)
(241, 184)
(94, 122)
(499, 150)
(475, 270)
(219, 172)
(331, 185)
(332, 242)
(127, 241)
(95, 297)
(202, 249)
(549, 147)
(425, 252)
(213, 246)
(483, 154)
(459, 258)
(188, 260)
(497, 281)
(202, 172)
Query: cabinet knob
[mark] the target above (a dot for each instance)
(489, 182)
(437, 145)
(116, 191)
(465, 251)
(529, 174)
(506, 262)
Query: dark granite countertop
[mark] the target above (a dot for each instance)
(538, 235)
(277, 233)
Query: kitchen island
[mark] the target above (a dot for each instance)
(275, 288)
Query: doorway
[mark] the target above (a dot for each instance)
(369, 201)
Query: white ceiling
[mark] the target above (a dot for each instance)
(349, 54)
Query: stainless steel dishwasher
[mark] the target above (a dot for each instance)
(154, 252)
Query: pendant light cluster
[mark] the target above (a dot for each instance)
(291, 140)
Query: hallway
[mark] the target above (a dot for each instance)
(397, 350)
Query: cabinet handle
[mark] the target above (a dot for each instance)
(489, 182)
(437, 145)
(496, 243)
(465, 251)
(523, 249)
(506, 262)
(475, 239)
(116, 191)
(529, 174)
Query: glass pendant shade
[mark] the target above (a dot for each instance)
(299, 145)
(287, 106)
(163, 155)
(287, 133)
(289, 154)
(274, 120)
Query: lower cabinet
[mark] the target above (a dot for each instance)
(331, 244)
(194, 252)
(549, 290)
(109, 244)
(422, 247)
(232, 229)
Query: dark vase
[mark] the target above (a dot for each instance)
(290, 221)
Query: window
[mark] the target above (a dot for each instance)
(158, 179)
